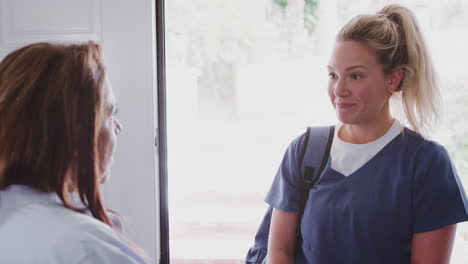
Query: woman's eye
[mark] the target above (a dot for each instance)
(332, 75)
(356, 76)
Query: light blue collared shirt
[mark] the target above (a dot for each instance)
(35, 227)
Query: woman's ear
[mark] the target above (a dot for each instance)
(395, 79)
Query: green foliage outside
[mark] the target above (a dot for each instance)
(310, 15)
(310, 12)
(281, 3)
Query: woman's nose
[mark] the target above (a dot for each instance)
(340, 89)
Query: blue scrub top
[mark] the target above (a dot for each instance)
(370, 216)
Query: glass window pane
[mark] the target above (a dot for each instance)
(246, 77)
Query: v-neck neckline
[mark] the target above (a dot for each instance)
(370, 161)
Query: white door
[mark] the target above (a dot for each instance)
(126, 31)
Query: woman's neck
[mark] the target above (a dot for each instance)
(366, 132)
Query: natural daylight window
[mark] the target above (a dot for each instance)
(243, 79)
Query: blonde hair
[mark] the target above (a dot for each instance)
(395, 36)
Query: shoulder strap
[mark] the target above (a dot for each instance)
(304, 148)
(314, 158)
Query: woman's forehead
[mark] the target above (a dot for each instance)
(347, 54)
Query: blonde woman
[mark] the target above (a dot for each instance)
(388, 194)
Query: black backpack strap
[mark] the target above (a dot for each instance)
(304, 148)
(313, 159)
(316, 151)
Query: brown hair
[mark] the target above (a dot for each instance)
(50, 114)
(394, 34)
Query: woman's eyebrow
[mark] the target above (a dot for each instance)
(356, 66)
(349, 68)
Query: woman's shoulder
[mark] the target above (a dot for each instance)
(84, 230)
(421, 146)
(299, 141)
(295, 145)
(423, 155)
(90, 238)
(48, 230)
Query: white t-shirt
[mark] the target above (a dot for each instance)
(346, 158)
(35, 227)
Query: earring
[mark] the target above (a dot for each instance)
(390, 91)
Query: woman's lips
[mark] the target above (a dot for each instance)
(344, 106)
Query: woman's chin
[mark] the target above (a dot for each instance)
(344, 119)
(105, 177)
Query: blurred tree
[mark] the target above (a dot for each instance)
(281, 3)
(218, 36)
(310, 13)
